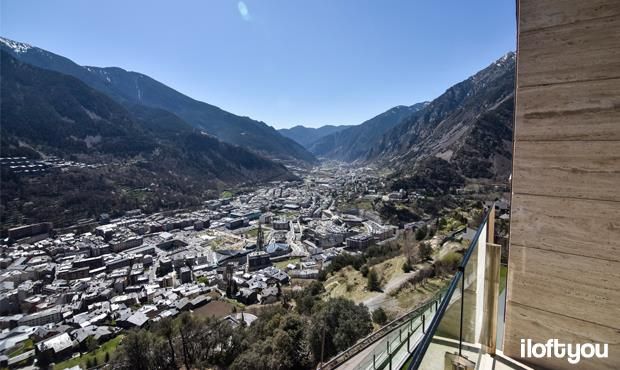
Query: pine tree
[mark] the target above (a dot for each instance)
(420, 233)
(373, 281)
(425, 252)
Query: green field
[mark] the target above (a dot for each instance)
(282, 264)
(27, 345)
(251, 233)
(361, 203)
(99, 354)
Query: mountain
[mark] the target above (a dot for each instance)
(468, 128)
(131, 88)
(59, 114)
(354, 142)
(308, 135)
(47, 113)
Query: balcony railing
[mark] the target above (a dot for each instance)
(465, 322)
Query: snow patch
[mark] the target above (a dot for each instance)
(18, 47)
(92, 115)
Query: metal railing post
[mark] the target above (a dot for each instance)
(423, 323)
(462, 306)
(408, 342)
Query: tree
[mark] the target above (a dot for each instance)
(364, 270)
(407, 266)
(373, 281)
(278, 342)
(379, 316)
(420, 233)
(90, 344)
(44, 359)
(448, 264)
(337, 325)
(137, 350)
(305, 304)
(425, 252)
(107, 357)
(441, 223)
(307, 298)
(167, 329)
(315, 288)
(186, 331)
(285, 300)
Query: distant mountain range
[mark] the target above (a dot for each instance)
(308, 135)
(131, 88)
(149, 136)
(353, 142)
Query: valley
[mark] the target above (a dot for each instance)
(148, 218)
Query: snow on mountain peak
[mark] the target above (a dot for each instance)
(18, 47)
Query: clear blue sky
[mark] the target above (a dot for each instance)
(285, 62)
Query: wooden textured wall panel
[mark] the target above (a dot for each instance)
(575, 286)
(572, 111)
(525, 322)
(558, 55)
(573, 169)
(550, 13)
(582, 227)
(564, 263)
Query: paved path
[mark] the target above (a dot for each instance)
(379, 299)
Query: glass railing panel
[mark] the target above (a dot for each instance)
(394, 348)
(459, 323)
(448, 329)
(473, 290)
(449, 326)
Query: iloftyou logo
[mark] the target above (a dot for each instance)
(573, 352)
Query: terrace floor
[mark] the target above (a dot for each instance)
(440, 346)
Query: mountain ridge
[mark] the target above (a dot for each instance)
(308, 135)
(352, 143)
(469, 127)
(130, 88)
(59, 113)
(144, 158)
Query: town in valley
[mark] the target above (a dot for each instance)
(229, 258)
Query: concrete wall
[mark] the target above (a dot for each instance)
(564, 265)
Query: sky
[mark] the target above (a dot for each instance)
(284, 62)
